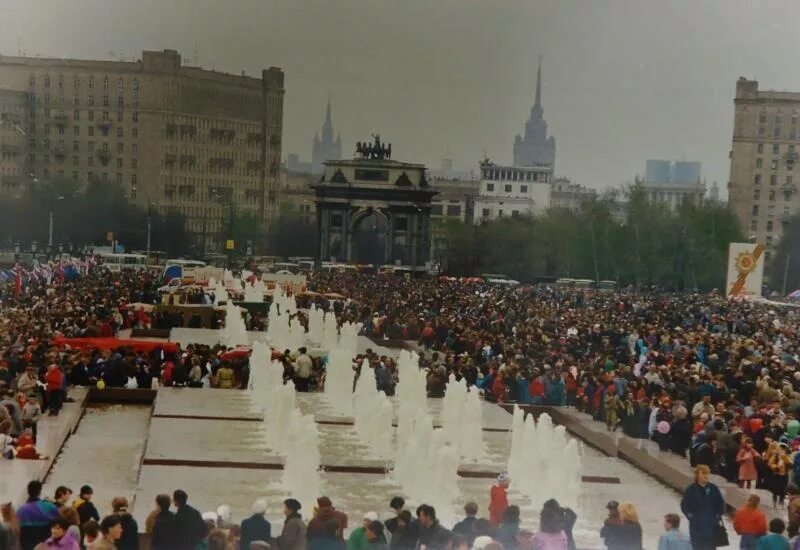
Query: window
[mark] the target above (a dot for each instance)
(773, 180)
(134, 148)
(776, 132)
(454, 210)
(90, 101)
(776, 149)
(120, 102)
(47, 81)
(489, 187)
(46, 129)
(755, 210)
(790, 165)
(91, 116)
(136, 116)
(135, 132)
(119, 162)
(759, 163)
(774, 165)
(76, 130)
(523, 188)
(120, 149)
(119, 132)
(135, 86)
(788, 180)
(762, 118)
(60, 130)
(514, 213)
(772, 196)
(754, 225)
(105, 101)
(76, 101)
(508, 188)
(76, 83)
(769, 225)
(761, 131)
(134, 164)
(485, 213)
(119, 178)
(91, 146)
(32, 80)
(91, 82)
(104, 131)
(75, 161)
(105, 83)
(75, 176)
(90, 160)
(76, 145)
(760, 148)
(89, 175)
(401, 223)
(756, 194)
(91, 131)
(46, 98)
(769, 242)
(105, 116)
(119, 116)
(120, 85)
(757, 179)
(499, 213)
(777, 119)
(76, 114)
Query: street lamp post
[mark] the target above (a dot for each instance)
(50, 231)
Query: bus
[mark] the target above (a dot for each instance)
(607, 286)
(115, 262)
(185, 263)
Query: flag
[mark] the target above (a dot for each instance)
(18, 279)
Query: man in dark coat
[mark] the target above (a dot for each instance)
(256, 527)
(703, 505)
(431, 533)
(190, 528)
(464, 527)
(163, 533)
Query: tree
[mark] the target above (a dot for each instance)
(783, 269)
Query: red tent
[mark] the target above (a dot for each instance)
(114, 343)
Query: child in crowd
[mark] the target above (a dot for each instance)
(31, 413)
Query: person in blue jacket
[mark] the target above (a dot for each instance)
(703, 505)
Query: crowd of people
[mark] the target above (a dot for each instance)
(713, 380)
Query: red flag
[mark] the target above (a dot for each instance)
(17, 280)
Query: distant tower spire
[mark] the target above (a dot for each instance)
(328, 112)
(537, 104)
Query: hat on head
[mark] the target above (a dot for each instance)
(209, 516)
(481, 542)
(371, 516)
(259, 507)
(612, 505)
(292, 504)
(503, 477)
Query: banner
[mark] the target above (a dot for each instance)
(745, 269)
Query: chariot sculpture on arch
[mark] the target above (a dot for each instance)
(375, 150)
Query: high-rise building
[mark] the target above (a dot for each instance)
(175, 136)
(13, 142)
(535, 147)
(673, 183)
(761, 190)
(324, 146)
(658, 171)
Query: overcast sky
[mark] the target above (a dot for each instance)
(624, 80)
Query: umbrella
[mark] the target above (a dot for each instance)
(794, 295)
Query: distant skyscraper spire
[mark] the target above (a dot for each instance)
(537, 104)
(325, 147)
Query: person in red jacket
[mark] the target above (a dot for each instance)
(55, 393)
(498, 499)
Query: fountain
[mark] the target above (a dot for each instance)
(543, 462)
(254, 292)
(316, 325)
(220, 294)
(348, 339)
(301, 477)
(339, 381)
(462, 420)
(330, 339)
(235, 330)
(373, 414)
(277, 417)
(265, 376)
(297, 334)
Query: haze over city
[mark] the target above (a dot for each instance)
(623, 80)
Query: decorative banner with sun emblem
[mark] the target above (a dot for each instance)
(745, 269)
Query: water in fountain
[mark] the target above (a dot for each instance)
(469, 441)
(331, 337)
(254, 292)
(316, 325)
(373, 414)
(297, 334)
(541, 461)
(220, 294)
(348, 340)
(301, 476)
(277, 417)
(235, 329)
(278, 330)
(261, 379)
(339, 381)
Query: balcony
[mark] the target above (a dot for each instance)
(171, 129)
(170, 159)
(255, 138)
(220, 163)
(59, 151)
(60, 117)
(255, 166)
(186, 190)
(187, 130)
(220, 134)
(187, 161)
(104, 125)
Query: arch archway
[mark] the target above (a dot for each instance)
(369, 239)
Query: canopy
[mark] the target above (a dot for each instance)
(243, 351)
(114, 343)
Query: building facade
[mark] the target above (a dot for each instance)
(535, 147)
(673, 183)
(571, 196)
(455, 199)
(174, 136)
(13, 142)
(761, 190)
(325, 147)
(374, 211)
(512, 191)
